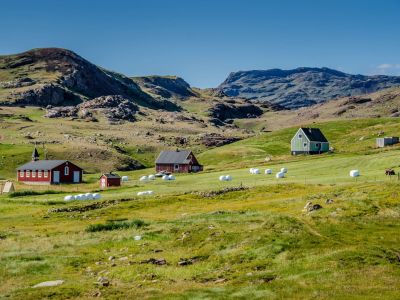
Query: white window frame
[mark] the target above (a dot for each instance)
(40, 173)
(300, 136)
(28, 173)
(66, 170)
(34, 174)
(46, 174)
(305, 145)
(176, 167)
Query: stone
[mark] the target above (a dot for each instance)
(49, 283)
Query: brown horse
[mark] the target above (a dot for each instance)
(390, 172)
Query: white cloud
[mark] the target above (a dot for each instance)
(388, 69)
(385, 66)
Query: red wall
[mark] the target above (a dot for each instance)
(70, 177)
(170, 168)
(34, 179)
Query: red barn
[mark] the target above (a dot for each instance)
(49, 171)
(178, 161)
(110, 179)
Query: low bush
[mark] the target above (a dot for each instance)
(115, 225)
(32, 193)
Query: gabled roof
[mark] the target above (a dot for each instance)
(111, 176)
(173, 157)
(41, 165)
(314, 135)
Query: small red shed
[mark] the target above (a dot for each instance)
(110, 179)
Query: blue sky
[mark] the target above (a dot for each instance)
(203, 41)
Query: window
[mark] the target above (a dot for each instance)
(66, 171)
(28, 173)
(40, 173)
(176, 167)
(46, 174)
(305, 145)
(21, 173)
(33, 173)
(300, 136)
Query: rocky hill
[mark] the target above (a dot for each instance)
(59, 77)
(302, 86)
(165, 86)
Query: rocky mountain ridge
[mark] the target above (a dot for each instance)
(302, 86)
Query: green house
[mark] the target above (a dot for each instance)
(309, 141)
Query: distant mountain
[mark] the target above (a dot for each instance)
(165, 86)
(302, 86)
(60, 77)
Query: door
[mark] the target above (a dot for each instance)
(103, 183)
(56, 176)
(77, 176)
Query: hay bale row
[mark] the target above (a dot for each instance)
(87, 196)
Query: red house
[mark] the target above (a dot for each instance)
(178, 161)
(110, 179)
(49, 171)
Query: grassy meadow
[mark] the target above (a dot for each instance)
(256, 243)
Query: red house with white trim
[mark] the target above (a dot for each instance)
(178, 161)
(49, 171)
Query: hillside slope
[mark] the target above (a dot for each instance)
(60, 77)
(302, 86)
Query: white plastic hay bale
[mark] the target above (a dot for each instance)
(89, 196)
(96, 196)
(251, 170)
(280, 175)
(124, 178)
(283, 170)
(83, 196)
(78, 197)
(145, 193)
(268, 171)
(165, 177)
(143, 178)
(152, 177)
(222, 178)
(69, 198)
(256, 171)
(228, 178)
(354, 173)
(171, 177)
(137, 237)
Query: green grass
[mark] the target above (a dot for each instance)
(250, 244)
(258, 237)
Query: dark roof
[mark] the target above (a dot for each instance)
(111, 175)
(173, 157)
(314, 135)
(41, 165)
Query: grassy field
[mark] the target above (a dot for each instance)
(248, 244)
(255, 243)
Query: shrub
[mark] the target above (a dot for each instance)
(115, 225)
(31, 193)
